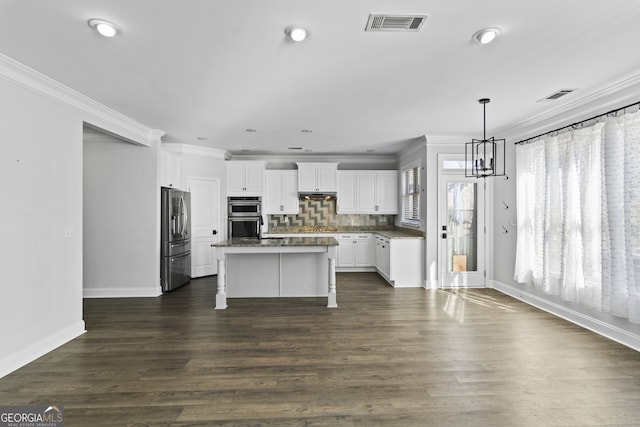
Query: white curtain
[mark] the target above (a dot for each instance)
(578, 205)
(621, 217)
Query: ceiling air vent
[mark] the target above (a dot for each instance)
(395, 22)
(556, 95)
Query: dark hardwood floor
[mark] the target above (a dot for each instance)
(392, 357)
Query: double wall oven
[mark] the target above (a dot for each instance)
(244, 217)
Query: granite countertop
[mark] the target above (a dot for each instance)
(390, 232)
(277, 242)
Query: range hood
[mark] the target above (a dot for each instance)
(317, 196)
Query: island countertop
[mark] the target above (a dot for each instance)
(276, 242)
(276, 267)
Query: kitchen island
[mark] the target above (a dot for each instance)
(276, 267)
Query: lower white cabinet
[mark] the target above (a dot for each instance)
(399, 261)
(355, 250)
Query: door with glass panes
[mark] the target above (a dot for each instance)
(461, 252)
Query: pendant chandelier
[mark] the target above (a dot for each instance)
(484, 157)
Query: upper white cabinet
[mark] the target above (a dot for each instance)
(281, 192)
(386, 192)
(170, 169)
(368, 192)
(347, 190)
(314, 177)
(245, 178)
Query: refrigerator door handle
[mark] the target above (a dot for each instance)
(174, 220)
(183, 212)
(186, 219)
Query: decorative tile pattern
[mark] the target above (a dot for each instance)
(322, 213)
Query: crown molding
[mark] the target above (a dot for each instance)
(446, 140)
(92, 112)
(597, 102)
(179, 148)
(414, 148)
(347, 158)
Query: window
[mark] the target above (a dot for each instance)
(411, 196)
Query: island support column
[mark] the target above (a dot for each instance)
(221, 294)
(332, 300)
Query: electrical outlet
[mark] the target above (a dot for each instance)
(69, 232)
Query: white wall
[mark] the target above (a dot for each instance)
(204, 163)
(41, 216)
(121, 204)
(41, 193)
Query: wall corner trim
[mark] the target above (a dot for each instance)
(40, 348)
(594, 325)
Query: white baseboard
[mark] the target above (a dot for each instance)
(40, 348)
(355, 269)
(595, 325)
(131, 292)
(397, 284)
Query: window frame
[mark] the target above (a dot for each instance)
(415, 222)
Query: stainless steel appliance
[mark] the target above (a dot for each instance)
(175, 234)
(244, 215)
(244, 206)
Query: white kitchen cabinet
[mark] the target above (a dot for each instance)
(382, 255)
(399, 260)
(281, 192)
(355, 250)
(386, 192)
(317, 177)
(346, 254)
(170, 169)
(368, 192)
(245, 178)
(366, 196)
(347, 187)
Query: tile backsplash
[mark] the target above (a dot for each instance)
(322, 213)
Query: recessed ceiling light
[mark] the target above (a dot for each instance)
(486, 35)
(105, 28)
(296, 33)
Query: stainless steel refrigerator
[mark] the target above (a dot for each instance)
(175, 248)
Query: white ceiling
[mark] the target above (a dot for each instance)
(212, 69)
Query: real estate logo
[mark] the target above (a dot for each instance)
(31, 416)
